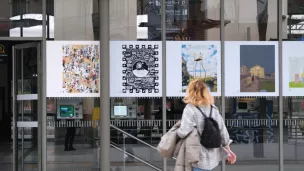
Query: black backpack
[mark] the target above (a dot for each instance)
(211, 135)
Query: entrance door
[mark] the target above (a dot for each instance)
(26, 142)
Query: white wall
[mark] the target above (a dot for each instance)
(123, 19)
(73, 19)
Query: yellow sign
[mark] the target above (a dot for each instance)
(2, 48)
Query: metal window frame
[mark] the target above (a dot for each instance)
(14, 105)
(222, 39)
(104, 102)
(280, 54)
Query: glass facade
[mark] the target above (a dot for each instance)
(267, 131)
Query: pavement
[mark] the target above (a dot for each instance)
(252, 87)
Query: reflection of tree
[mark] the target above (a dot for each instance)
(262, 18)
(197, 23)
(193, 28)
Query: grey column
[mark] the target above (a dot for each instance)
(222, 37)
(281, 121)
(164, 83)
(104, 6)
(43, 117)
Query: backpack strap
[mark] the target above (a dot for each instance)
(210, 111)
(201, 112)
(204, 113)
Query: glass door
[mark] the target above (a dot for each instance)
(26, 139)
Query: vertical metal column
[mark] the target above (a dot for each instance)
(281, 121)
(39, 109)
(104, 31)
(222, 37)
(164, 83)
(15, 129)
(43, 117)
(22, 114)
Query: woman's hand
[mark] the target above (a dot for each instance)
(232, 158)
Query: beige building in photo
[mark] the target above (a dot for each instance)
(257, 71)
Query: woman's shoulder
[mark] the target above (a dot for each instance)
(190, 108)
(214, 107)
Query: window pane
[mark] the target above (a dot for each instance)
(254, 128)
(254, 20)
(193, 20)
(21, 18)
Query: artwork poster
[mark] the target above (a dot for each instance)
(73, 69)
(293, 68)
(251, 68)
(135, 69)
(188, 60)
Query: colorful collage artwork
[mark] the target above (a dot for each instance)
(73, 69)
(80, 72)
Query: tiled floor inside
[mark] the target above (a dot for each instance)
(85, 158)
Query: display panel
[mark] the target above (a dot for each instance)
(135, 69)
(66, 110)
(73, 68)
(251, 68)
(69, 109)
(293, 68)
(187, 60)
(120, 111)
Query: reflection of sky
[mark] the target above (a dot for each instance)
(262, 55)
(209, 62)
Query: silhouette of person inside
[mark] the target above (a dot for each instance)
(69, 137)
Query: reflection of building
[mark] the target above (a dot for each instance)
(257, 70)
(244, 70)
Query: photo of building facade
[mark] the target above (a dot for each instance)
(118, 133)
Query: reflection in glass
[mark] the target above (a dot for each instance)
(21, 18)
(193, 20)
(252, 20)
(254, 128)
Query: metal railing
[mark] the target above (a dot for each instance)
(146, 162)
(131, 154)
(153, 128)
(133, 137)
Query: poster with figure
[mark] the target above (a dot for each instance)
(135, 69)
(188, 60)
(293, 68)
(73, 69)
(257, 68)
(251, 69)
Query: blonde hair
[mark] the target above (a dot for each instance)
(198, 94)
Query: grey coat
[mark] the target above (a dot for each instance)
(187, 151)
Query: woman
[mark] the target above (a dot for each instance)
(199, 95)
